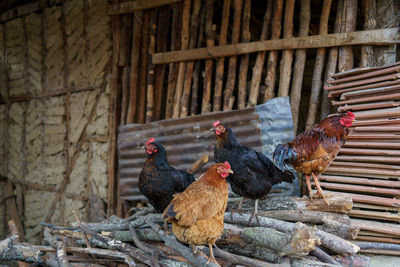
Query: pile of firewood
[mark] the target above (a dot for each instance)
(289, 232)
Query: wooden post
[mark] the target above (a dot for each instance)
(316, 82)
(332, 63)
(182, 65)
(231, 79)
(205, 104)
(194, 25)
(162, 37)
(258, 65)
(273, 55)
(143, 69)
(369, 12)
(195, 87)
(12, 208)
(287, 55)
(151, 67)
(219, 72)
(173, 67)
(112, 122)
(349, 18)
(134, 73)
(244, 62)
(125, 94)
(300, 61)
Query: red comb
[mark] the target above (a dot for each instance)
(350, 114)
(151, 140)
(216, 123)
(227, 165)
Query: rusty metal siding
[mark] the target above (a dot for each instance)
(187, 139)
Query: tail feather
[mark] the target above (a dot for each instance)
(283, 156)
(169, 213)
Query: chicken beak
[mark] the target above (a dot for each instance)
(212, 129)
(143, 147)
(230, 171)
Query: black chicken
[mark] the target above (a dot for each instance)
(253, 173)
(158, 181)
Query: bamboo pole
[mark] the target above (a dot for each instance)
(316, 83)
(210, 30)
(162, 37)
(219, 73)
(182, 65)
(258, 65)
(369, 12)
(143, 69)
(332, 63)
(244, 62)
(231, 79)
(349, 18)
(173, 67)
(195, 87)
(194, 25)
(300, 61)
(273, 55)
(287, 55)
(151, 67)
(134, 73)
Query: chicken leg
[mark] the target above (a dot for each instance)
(255, 212)
(212, 258)
(319, 190)
(239, 208)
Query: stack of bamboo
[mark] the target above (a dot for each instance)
(367, 167)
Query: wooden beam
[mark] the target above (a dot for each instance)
(373, 37)
(131, 6)
(27, 9)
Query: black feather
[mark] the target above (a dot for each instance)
(159, 181)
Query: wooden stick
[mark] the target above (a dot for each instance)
(195, 87)
(173, 67)
(287, 55)
(231, 79)
(219, 72)
(182, 65)
(131, 6)
(162, 37)
(273, 55)
(14, 231)
(12, 209)
(60, 247)
(151, 67)
(198, 164)
(300, 61)
(134, 74)
(369, 12)
(126, 32)
(244, 62)
(141, 114)
(209, 30)
(316, 82)
(349, 18)
(184, 110)
(332, 63)
(330, 241)
(258, 65)
(125, 95)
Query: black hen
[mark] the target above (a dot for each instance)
(158, 181)
(253, 173)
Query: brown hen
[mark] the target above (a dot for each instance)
(197, 214)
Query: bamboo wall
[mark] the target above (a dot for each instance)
(158, 85)
(54, 115)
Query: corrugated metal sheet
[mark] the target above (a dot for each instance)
(187, 139)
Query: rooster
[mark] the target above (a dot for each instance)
(197, 214)
(311, 152)
(254, 173)
(158, 181)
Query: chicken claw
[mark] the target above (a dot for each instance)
(319, 190)
(239, 208)
(212, 258)
(255, 212)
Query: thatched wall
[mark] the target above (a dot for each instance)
(53, 67)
